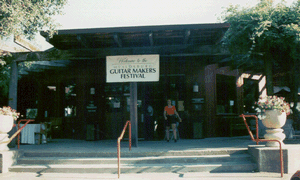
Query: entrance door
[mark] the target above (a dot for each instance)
(146, 115)
(117, 108)
(152, 98)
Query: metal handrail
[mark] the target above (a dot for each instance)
(22, 120)
(262, 140)
(119, 144)
(17, 133)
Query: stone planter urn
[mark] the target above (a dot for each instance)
(273, 121)
(6, 124)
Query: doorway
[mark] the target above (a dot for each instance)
(152, 98)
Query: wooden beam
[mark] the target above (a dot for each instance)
(222, 32)
(79, 54)
(25, 44)
(186, 36)
(54, 54)
(151, 39)
(83, 41)
(117, 40)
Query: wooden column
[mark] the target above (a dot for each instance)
(12, 95)
(80, 132)
(210, 100)
(59, 100)
(42, 98)
(133, 114)
(13, 85)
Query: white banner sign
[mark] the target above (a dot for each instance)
(132, 68)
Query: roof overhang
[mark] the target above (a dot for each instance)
(166, 40)
(140, 40)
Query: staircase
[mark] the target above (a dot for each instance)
(213, 160)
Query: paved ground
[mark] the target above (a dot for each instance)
(150, 176)
(145, 146)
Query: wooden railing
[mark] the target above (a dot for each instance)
(119, 144)
(262, 140)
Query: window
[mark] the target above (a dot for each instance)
(226, 94)
(70, 100)
(251, 95)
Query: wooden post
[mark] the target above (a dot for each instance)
(12, 101)
(81, 108)
(133, 113)
(210, 100)
(41, 100)
(13, 85)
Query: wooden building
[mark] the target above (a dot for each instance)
(69, 88)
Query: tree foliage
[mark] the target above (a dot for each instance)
(265, 38)
(24, 18)
(28, 17)
(263, 30)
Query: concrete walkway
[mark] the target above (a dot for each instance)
(146, 176)
(208, 144)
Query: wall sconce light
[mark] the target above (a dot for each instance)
(195, 87)
(92, 91)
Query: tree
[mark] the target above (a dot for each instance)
(28, 17)
(266, 34)
(24, 18)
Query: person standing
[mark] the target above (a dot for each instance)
(170, 114)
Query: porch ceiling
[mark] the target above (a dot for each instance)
(166, 40)
(138, 37)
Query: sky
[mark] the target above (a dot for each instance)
(80, 14)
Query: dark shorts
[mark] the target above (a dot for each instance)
(171, 119)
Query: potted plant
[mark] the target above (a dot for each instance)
(273, 111)
(7, 117)
(273, 103)
(8, 111)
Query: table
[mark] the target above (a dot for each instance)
(28, 134)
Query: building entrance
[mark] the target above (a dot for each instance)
(86, 107)
(117, 109)
(151, 100)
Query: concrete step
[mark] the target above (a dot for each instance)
(127, 153)
(296, 136)
(135, 160)
(215, 160)
(244, 166)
